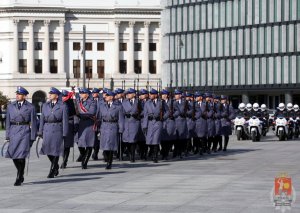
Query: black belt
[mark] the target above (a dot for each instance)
(53, 122)
(19, 123)
(154, 118)
(110, 121)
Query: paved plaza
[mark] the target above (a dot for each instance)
(239, 180)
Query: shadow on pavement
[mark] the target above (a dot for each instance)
(58, 180)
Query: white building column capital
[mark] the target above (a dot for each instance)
(16, 21)
(31, 22)
(131, 24)
(117, 23)
(47, 23)
(62, 23)
(147, 24)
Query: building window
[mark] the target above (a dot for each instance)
(123, 46)
(23, 66)
(76, 68)
(53, 66)
(38, 46)
(38, 65)
(76, 45)
(123, 66)
(100, 46)
(23, 46)
(100, 68)
(138, 66)
(152, 47)
(152, 66)
(89, 46)
(137, 47)
(89, 68)
(53, 45)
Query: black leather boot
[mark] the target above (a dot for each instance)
(226, 143)
(51, 172)
(155, 153)
(82, 153)
(56, 166)
(86, 158)
(18, 166)
(95, 154)
(66, 156)
(22, 169)
(110, 159)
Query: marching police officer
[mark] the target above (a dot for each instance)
(201, 124)
(190, 120)
(227, 114)
(218, 125)
(69, 139)
(111, 120)
(143, 148)
(211, 131)
(54, 124)
(96, 98)
(132, 110)
(21, 129)
(181, 124)
(87, 109)
(168, 131)
(152, 123)
(119, 95)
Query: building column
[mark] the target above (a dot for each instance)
(245, 98)
(30, 59)
(130, 54)
(15, 52)
(61, 60)
(117, 47)
(288, 97)
(46, 61)
(159, 49)
(145, 62)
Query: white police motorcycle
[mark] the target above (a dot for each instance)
(281, 128)
(255, 128)
(240, 128)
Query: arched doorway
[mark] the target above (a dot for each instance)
(38, 97)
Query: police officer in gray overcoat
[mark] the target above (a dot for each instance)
(218, 125)
(211, 128)
(152, 124)
(143, 148)
(227, 114)
(69, 139)
(168, 131)
(87, 125)
(54, 123)
(132, 110)
(111, 123)
(21, 131)
(201, 124)
(96, 98)
(180, 123)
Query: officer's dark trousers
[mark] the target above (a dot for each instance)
(96, 147)
(131, 147)
(165, 149)
(143, 150)
(154, 151)
(226, 140)
(210, 141)
(66, 156)
(217, 140)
